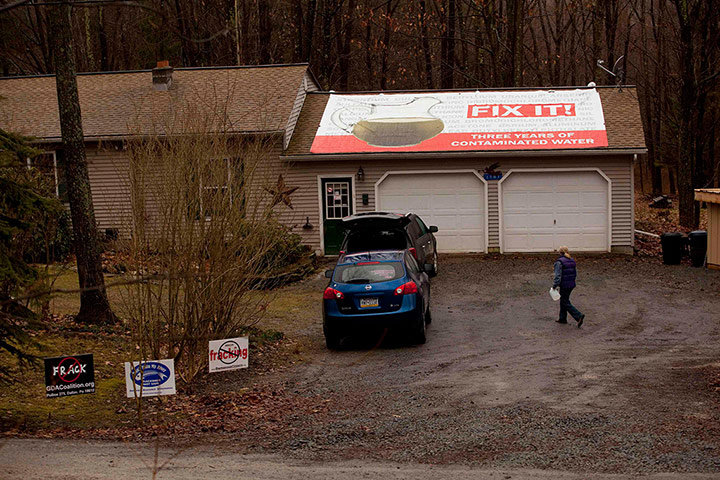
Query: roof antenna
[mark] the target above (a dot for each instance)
(618, 75)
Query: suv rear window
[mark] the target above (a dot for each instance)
(370, 272)
(373, 240)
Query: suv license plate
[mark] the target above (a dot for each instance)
(369, 302)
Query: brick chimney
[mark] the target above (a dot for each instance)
(162, 76)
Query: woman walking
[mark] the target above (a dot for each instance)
(565, 273)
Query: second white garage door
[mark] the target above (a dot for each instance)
(454, 202)
(544, 210)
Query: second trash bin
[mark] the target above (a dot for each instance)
(698, 247)
(672, 247)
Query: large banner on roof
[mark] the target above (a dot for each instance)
(461, 121)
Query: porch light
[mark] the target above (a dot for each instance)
(360, 174)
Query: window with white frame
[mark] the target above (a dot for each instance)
(46, 164)
(221, 186)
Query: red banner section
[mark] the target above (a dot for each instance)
(453, 142)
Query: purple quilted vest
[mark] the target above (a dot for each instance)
(569, 272)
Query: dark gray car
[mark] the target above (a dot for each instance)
(373, 231)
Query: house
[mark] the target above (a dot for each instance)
(120, 106)
(505, 170)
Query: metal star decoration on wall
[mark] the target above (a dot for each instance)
(281, 193)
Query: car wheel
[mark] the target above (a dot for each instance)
(332, 340)
(420, 337)
(434, 271)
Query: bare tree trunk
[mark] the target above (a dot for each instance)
(490, 15)
(463, 33)
(672, 184)
(705, 127)
(45, 43)
(515, 40)
(103, 40)
(346, 46)
(447, 45)
(326, 66)
(689, 209)
(480, 60)
(390, 9)
(596, 42)
(188, 59)
(264, 32)
(451, 61)
(368, 54)
(89, 51)
(655, 148)
(309, 28)
(298, 52)
(426, 45)
(711, 173)
(94, 305)
(611, 18)
(236, 24)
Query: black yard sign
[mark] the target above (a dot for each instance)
(65, 376)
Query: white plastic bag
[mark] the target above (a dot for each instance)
(554, 294)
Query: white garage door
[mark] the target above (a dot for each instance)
(454, 202)
(542, 211)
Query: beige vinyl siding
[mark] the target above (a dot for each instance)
(266, 175)
(622, 203)
(109, 183)
(310, 85)
(307, 85)
(107, 165)
(304, 175)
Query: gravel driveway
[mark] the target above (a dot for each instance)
(500, 384)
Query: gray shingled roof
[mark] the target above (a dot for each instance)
(240, 99)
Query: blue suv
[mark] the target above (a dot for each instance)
(385, 289)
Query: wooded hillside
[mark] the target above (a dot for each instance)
(668, 48)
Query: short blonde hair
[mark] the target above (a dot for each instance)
(564, 251)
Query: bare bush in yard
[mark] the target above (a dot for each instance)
(203, 232)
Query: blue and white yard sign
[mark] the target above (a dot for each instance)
(150, 378)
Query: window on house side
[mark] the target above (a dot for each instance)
(47, 164)
(219, 187)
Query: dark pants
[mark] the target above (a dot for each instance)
(567, 307)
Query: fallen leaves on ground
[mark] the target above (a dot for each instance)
(273, 410)
(657, 221)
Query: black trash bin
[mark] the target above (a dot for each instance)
(698, 247)
(672, 247)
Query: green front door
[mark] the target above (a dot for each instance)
(337, 204)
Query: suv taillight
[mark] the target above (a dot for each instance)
(332, 294)
(406, 289)
(414, 252)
